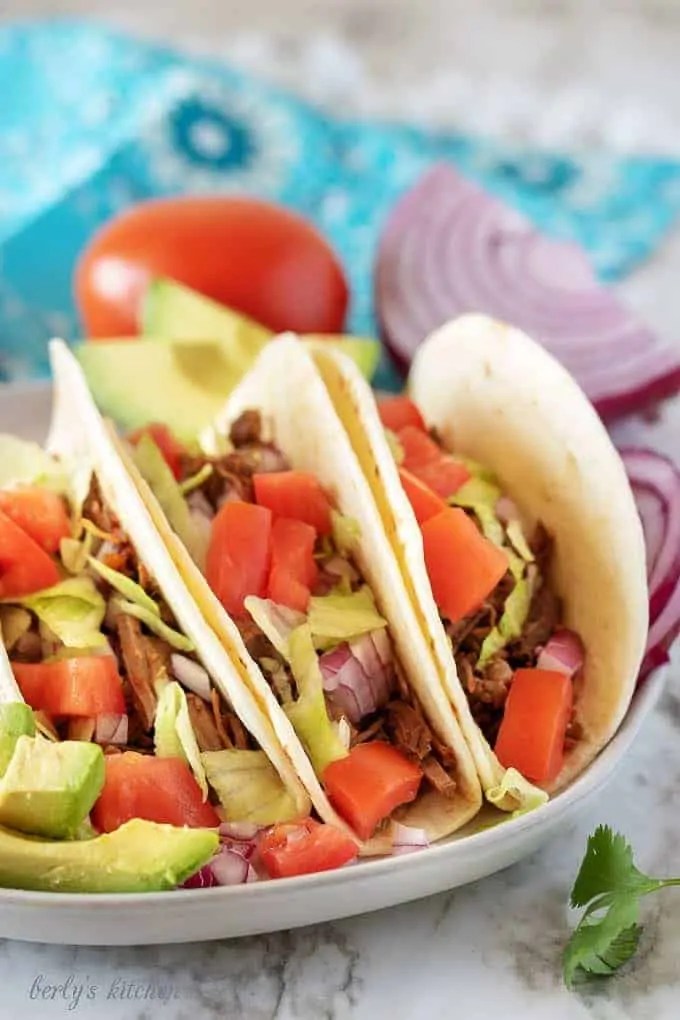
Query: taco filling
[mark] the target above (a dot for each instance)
(99, 656)
(491, 578)
(280, 559)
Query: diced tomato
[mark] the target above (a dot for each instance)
(156, 789)
(40, 513)
(24, 567)
(305, 848)
(369, 783)
(397, 412)
(444, 476)
(464, 567)
(84, 686)
(418, 447)
(294, 570)
(239, 553)
(166, 441)
(424, 501)
(296, 494)
(537, 713)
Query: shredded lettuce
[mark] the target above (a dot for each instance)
(249, 787)
(14, 622)
(74, 554)
(334, 618)
(174, 735)
(481, 496)
(125, 585)
(73, 610)
(309, 715)
(156, 625)
(195, 481)
(516, 536)
(154, 469)
(346, 532)
(516, 789)
(276, 622)
(478, 470)
(511, 623)
(26, 463)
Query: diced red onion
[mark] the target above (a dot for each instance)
(191, 675)
(406, 839)
(450, 248)
(230, 867)
(355, 678)
(111, 729)
(203, 879)
(564, 653)
(655, 482)
(239, 830)
(199, 505)
(506, 510)
(382, 645)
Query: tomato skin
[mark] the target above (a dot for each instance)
(398, 412)
(532, 732)
(88, 685)
(156, 789)
(296, 494)
(464, 567)
(40, 513)
(369, 783)
(444, 476)
(294, 570)
(418, 447)
(239, 554)
(24, 567)
(424, 502)
(166, 441)
(257, 258)
(305, 848)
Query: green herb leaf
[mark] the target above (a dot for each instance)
(607, 867)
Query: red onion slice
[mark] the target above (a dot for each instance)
(355, 678)
(203, 879)
(191, 675)
(406, 839)
(450, 248)
(655, 482)
(564, 653)
(111, 729)
(229, 867)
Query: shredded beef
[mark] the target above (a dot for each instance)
(143, 659)
(408, 729)
(247, 429)
(544, 617)
(437, 776)
(28, 648)
(258, 644)
(203, 724)
(96, 510)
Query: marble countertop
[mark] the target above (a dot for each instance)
(492, 948)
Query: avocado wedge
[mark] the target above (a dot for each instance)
(140, 856)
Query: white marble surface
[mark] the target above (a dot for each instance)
(492, 949)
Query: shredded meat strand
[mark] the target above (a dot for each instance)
(438, 777)
(217, 716)
(203, 724)
(141, 658)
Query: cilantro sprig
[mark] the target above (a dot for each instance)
(610, 887)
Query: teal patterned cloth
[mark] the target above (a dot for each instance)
(92, 120)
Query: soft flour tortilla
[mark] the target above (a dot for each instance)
(83, 441)
(287, 388)
(497, 397)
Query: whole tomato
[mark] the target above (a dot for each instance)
(255, 257)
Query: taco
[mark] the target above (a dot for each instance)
(273, 527)
(108, 646)
(515, 529)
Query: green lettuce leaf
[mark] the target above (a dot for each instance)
(276, 622)
(26, 463)
(249, 787)
(511, 623)
(481, 496)
(518, 540)
(195, 481)
(519, 790)
(334, 618)
(309, 715)
(156, 625)
(346, 532)
(174, 735)
(478, 470)
(74, 554)
(124, 585)
(73, 610)
(154, 469)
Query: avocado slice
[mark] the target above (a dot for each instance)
(16, 720)
(174, 311)
(49, 789)
(140, 856)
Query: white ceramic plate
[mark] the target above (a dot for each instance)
(194, 915)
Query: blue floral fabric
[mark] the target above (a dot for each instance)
(92, 120)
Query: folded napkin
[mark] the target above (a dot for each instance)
(92, 120)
